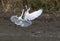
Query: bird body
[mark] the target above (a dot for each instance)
(27, 18)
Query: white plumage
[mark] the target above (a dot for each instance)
(26, 21)
(33, 15)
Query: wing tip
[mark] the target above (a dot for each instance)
(41, 9)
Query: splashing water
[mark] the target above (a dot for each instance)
(22, 23)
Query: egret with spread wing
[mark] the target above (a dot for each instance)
(25, 19)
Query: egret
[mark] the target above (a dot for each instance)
(26, 18)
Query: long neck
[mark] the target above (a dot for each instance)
(22, 13)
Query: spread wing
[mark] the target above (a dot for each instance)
(34, 15)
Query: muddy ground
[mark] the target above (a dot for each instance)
(44, 28)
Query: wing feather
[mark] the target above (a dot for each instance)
(34, 15)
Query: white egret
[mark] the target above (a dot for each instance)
(27, 17)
